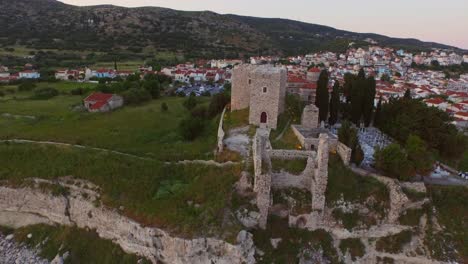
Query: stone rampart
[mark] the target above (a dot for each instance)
(344, 152)
(221, 132)
(152, 243)
(290, 154)
(320, 180)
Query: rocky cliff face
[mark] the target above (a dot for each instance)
(152, 243)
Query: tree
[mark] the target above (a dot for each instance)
(368, 100)
(348, 135)
(435, 63)
(334, 103)
(378, 113)
(357, 97)
(191, 102)
(217, 104)
(26, 86)
(136, 96)
(153, 87)
(164, 107)
(394, 162)
(385, 78)
(191, 128)
(45, 93)
(348, 82)
(321, 99)
(407, 94)
(418, 154)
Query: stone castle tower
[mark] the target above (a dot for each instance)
(262, 89)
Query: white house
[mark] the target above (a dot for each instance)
(29, 74)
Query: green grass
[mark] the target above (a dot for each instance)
(294, 241)
(413, 195)
(142, 130)
(411, 217)
(354, 246)
(153, 193)
(395, 243)
(451, 204)
(301, 202)
(343, 183)
(236, 119)
(65, 86)
(287, 141)
(295, 166)
(83, 246)
(349, 220)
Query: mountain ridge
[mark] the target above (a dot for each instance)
(53, 24)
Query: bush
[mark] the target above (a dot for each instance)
(45, 93)
(2, 94)
(26, 86)
(418, 154)
(78, 91)
(190, 103)
(191, 128)
(199, 112)
(153, 87)
(354, 246)
(217, 104)
(393, 161)
(164, 107)
(136, 96)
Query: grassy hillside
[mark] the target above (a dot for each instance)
(142, 130)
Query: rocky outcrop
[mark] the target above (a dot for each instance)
(12, 252)
(152, 243)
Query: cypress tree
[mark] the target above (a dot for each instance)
(378, 113)
(321, 100)
(368, 100)
(334, 103)
(358, 88)
(407, 94)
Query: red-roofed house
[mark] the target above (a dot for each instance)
(437, 102)
(102, 102)
(461, 115)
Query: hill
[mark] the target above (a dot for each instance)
(42, 24)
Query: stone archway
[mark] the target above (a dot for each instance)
(263, 118)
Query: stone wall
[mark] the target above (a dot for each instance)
(152, 243)
(221, 132)
(290, 154)
(320, 180)
(344, 152)
(310, 117)
(240, 92)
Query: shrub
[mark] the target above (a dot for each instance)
(164, 107)
(191, 128)
(45, 93)
(354, 246)
(26, 86)
(2, 93)
(78, 91)
(394, 244)
(136, 96)
(393, 161)
(217, 104)
(199, 112)
(190, 103)
(153, 87)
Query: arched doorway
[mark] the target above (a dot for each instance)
(263, 118)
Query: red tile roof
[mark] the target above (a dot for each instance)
(98, 97)
(437, 100)
(314, 69)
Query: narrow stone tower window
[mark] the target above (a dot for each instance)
(264, 89)
(250, 81)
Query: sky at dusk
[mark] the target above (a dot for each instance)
(429, 20)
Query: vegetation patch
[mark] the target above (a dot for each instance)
(287, 141)
(354, 246)
(187, 199)
(451, 207)
(343, 184)
(82, 246)
(299, 201)
(235, 119)
(413, 195)
(395, 243)
(295, 166)
(294, 241)
(411, 217)
(349, 220)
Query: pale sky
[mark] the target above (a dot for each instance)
(428, 20)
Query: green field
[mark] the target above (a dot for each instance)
(142, 130)
(186, 199)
